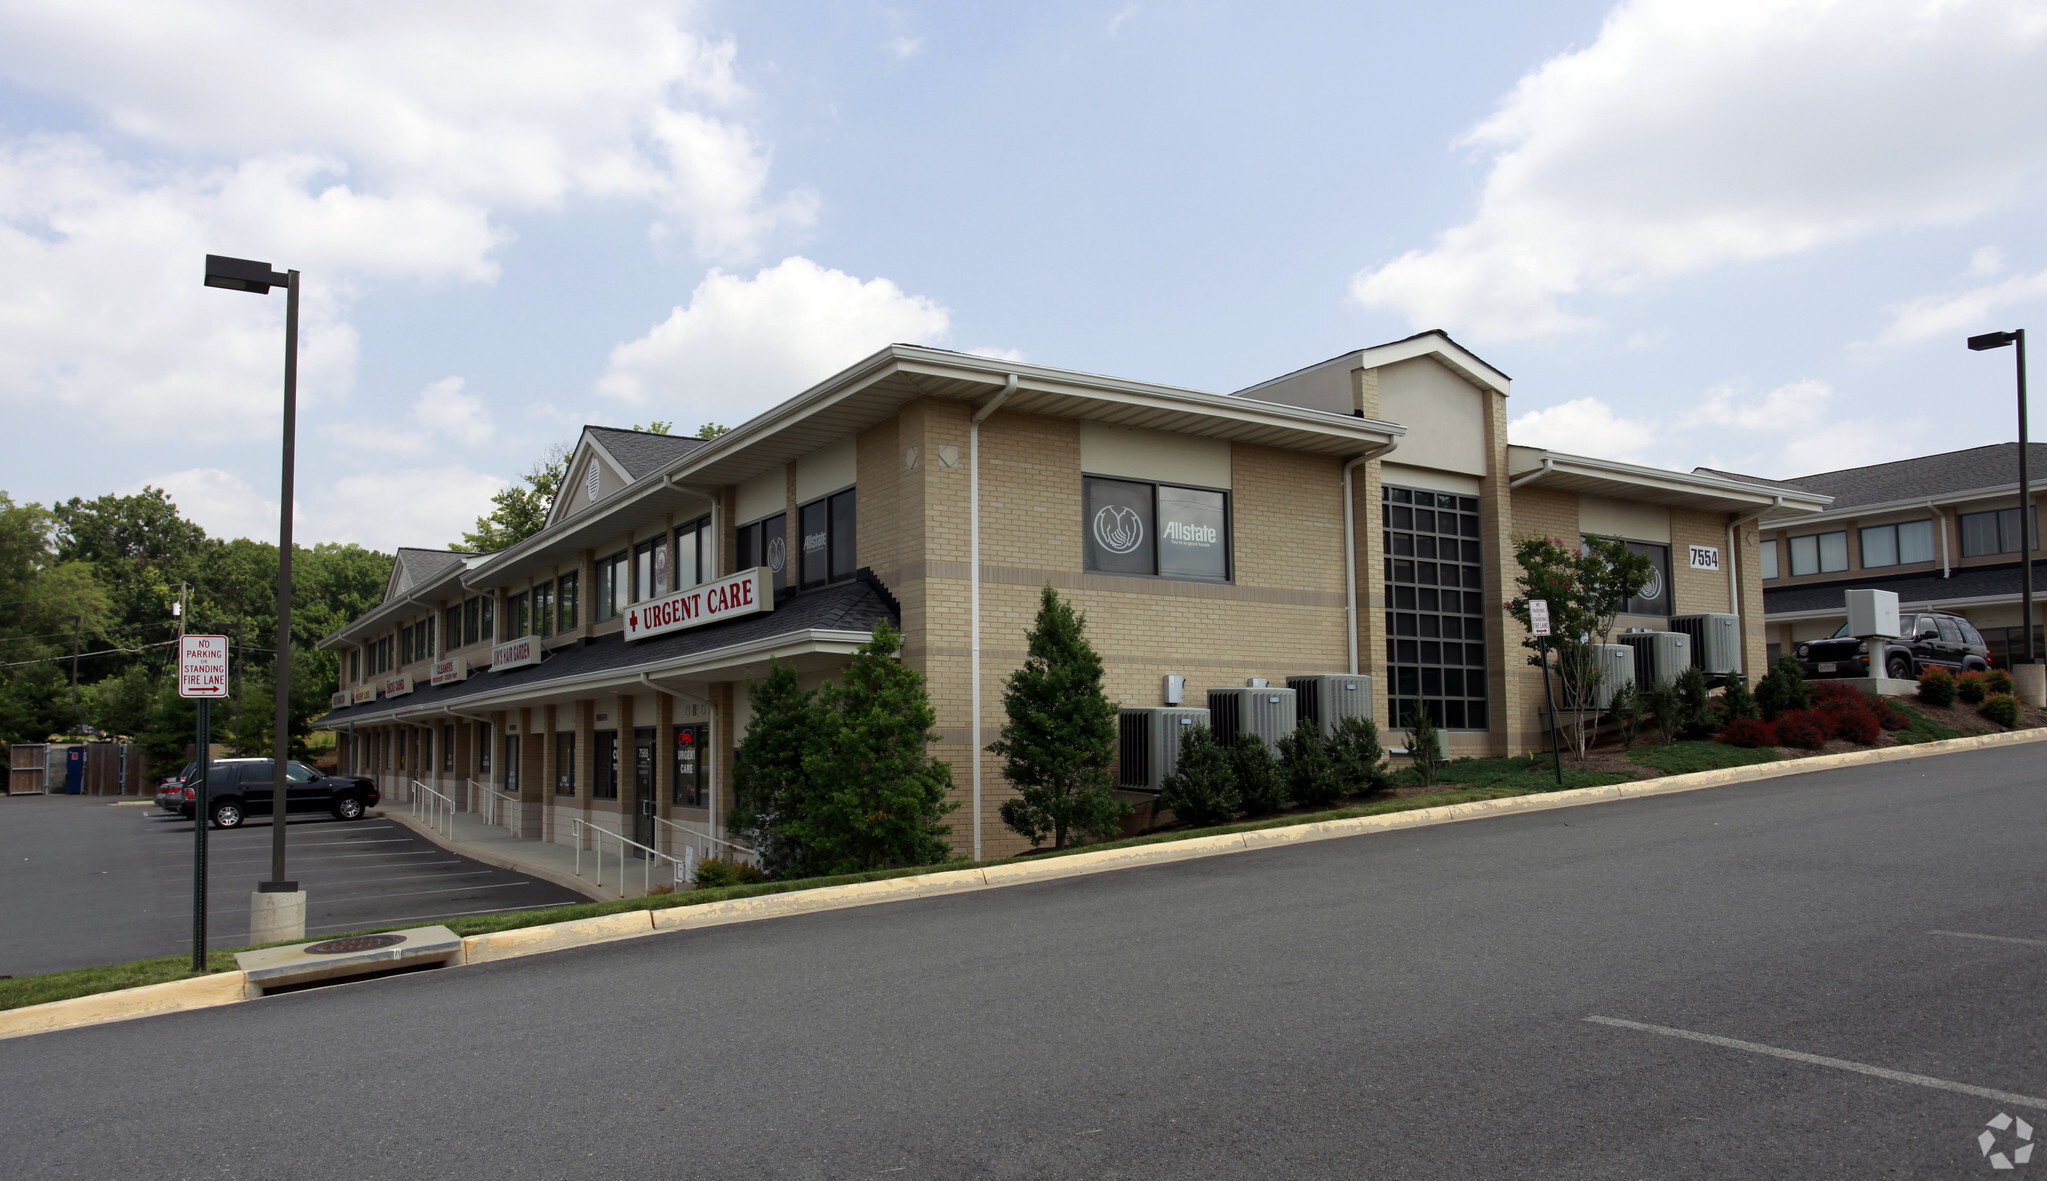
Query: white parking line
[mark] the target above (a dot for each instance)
(1896, 1076)
(418, 893)
(417, 877)
(1991, 938)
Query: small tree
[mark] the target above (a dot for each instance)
(770, 787)
(1261, 789)
(1586, 587)
(1667, 710)
(1310, 773)
(1202, 790)
(1060, 739)
(1423, 753)
(1360, 760)
(1696, 705)
(875, 795)
(1783, 688)
(1736, 701)
(1626, 710)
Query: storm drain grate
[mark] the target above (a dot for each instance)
(354, 943)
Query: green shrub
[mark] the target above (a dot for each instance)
(1422, 752)
(1969, 688)
(2001, 708)
(1783, 688)
(1999, 681)
(1937, 686)
(1202, 790)
(1310, 773)
(713, 872)
(1736, 702)
(1667, 711)
(1360, 760)
(1261, 789)
(1694, 705)
(1627, 713)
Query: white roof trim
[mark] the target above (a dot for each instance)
(1451, 355)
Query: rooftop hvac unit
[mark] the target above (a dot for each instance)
(1268, 713)
(1615, 664)
(1716, 643)
(1327, 698)
(1148, 746)
(1659, 657)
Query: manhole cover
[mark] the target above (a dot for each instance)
(354, 943)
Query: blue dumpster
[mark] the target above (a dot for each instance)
(74, 770)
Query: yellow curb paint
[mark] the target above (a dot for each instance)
(228, 987)
(505, 945)
(199, 992)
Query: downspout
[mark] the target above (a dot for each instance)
(974, 582)
(1350, 549)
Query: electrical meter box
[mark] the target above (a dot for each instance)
(1872, 613)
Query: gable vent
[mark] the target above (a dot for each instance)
(590, 483)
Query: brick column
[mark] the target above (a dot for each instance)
(586, 765)
(1509, 678)
(1366, 482)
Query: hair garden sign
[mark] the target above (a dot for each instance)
(745, 593)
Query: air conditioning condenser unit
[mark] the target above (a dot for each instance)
(1327, 698)
(1716, 643)
(1659, 657)
(1268, 713)
(1148, 744)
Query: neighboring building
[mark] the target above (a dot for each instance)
(1203, 535)
(1942, 531)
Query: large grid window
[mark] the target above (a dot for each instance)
(1435, 592)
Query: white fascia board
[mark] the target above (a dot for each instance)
(1670, 481)
(826, 641)
(1449, 353)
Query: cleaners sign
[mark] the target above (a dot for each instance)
(744, 593)
(202, 666)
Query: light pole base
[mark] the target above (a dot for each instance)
(2031, 682)
(277, 916)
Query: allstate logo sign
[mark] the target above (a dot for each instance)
(778, 554)
(1118, 530)
(1992, 1140)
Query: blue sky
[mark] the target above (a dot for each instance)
(1744, 234)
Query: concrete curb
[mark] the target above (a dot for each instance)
(229, 987)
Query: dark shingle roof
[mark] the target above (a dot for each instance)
(643, 452)
(1973, 582)
(1923, 476)
(425, 565)
(849, 606)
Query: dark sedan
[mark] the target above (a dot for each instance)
(1926, 639)
(239, 788)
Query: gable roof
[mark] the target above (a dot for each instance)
(1434, 343)
(1956, 475)
(419, 567)
(641, 453)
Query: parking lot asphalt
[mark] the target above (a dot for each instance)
(1414, 1004)
(87, 881)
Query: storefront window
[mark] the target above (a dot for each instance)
(1133, 527)
(1436, 625)
(565, 763)
(689, 767)
(606, 787)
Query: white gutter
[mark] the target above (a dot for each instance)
(974, 582)
(1549, 465)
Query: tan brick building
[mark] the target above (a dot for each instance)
(1356, 516)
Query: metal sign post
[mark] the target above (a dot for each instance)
(202, 674)
(1538, 624)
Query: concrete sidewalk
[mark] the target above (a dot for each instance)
(495, 845)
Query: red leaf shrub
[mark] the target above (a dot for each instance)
(1809, 728)
(1999, 681)
(1750, 732)
(1890, 717)
(1826, 691)
(1970, 689)
(1857, 726)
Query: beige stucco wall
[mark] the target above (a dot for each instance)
(1445, 416)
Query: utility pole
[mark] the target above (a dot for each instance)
(242, 693)
(76, 622)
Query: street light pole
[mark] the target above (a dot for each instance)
(1997, 340)
(275, 919)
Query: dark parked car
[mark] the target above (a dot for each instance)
(240, 788)
(170, 796)
(1927, 639)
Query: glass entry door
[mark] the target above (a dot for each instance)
(644, 802)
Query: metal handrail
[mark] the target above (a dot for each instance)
(744, 852)
(494, 804)
(439, 809)
(684, 869)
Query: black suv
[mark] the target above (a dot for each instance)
(1926, 639)
(240, 788)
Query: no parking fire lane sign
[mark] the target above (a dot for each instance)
(202, 666)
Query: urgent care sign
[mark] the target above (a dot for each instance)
(202, 666)
(745, 593)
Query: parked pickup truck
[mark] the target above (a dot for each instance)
(239, 788)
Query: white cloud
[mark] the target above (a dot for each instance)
(903, 48)
(1694, 136)
(1961, 314)
(448, 414)
(381, 509)
(1799, 406)
(1583, 426)
(743, 345)
(222, 502)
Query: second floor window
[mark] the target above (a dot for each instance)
(828, 543)
(1897, 545)
(693, 553)
(1130, 527)
(355, 667)
(765, 543)
(612, 587)
(452, 628)
(515, 610)
(543, 609)
(566, 609)
(1819, 553)
(1995, 532)
(472, 616)
(650, 569)
(1769, 552)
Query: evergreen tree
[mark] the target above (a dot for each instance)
(1261, 789)
(1202, 790)
(770, 786)
(1737, 701)
(1059, 742)
(875, 797)
(1310, 773)
(1695, 705)
(1357, 755)
(1783, 688)
(1422, 752)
